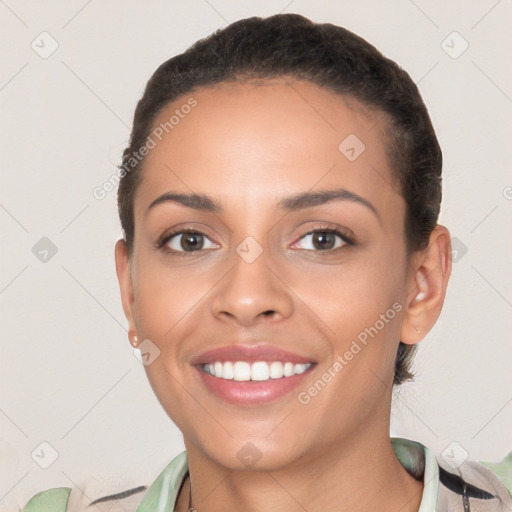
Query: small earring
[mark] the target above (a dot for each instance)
(418, 329)
(419, 297)
(134, 339)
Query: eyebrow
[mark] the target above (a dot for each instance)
(204, 203)
(198, 202)
(309, 199)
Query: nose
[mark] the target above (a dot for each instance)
(252, 292)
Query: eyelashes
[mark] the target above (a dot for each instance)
(163, 243)
(177, 242)
(343, 235)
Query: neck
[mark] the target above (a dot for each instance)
(363, 474)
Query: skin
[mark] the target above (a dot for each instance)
(248, 146)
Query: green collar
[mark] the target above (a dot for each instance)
(162, 495)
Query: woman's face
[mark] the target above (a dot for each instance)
(275, 274)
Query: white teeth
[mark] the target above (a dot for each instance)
(242, 371)
(276, 370)
(299, 368)
(260, 371)
(217, 369)
(288, 369)
(228, 371)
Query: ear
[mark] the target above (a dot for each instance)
(427, 282)
(125, 282)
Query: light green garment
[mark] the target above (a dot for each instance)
(503, 469)
(162, 494)
(52, 500)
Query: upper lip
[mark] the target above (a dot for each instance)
(249, 353)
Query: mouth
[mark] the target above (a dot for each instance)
(256, 375)
(259, 371)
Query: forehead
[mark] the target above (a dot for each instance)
(258, 140)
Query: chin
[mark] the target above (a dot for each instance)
(252, 455)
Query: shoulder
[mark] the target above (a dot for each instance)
(452, 485)
(138, 497)
(473, 486)
(64, 499)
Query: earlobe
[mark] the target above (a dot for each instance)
(125, 284)
(427, 284)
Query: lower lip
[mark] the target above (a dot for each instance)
(252, 392)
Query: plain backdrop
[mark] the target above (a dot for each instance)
(68, 376)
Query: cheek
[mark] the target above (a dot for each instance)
(160, 299)
(169, 303)
(352, 297)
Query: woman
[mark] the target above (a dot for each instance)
(281, 259)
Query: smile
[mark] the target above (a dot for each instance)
(251, 375)
(243, 371)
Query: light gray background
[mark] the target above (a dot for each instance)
(68, 375)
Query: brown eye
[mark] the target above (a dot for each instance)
(187, 241)
(323, 240)
(191, 241)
